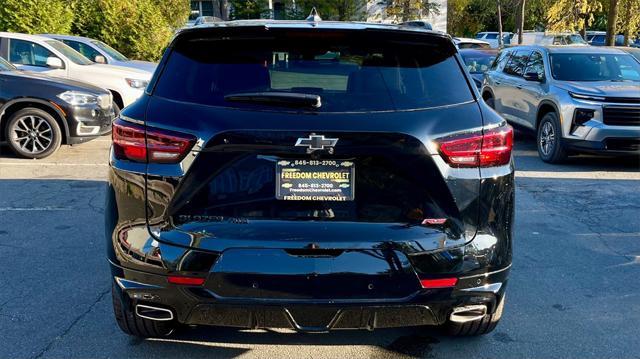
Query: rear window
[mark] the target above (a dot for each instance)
(350, 71)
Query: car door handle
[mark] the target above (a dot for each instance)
(498, 82)
(519, 87)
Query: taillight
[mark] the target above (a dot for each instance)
(492, 148)
(160, 146)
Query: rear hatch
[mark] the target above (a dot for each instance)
(313, 138)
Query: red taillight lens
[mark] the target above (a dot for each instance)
(493, 148)
(438, 283)
(160, 146)
(185, 280)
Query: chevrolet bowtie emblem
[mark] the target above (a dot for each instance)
(316, 143)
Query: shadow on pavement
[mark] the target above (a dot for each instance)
(412, 342)
(526, 159)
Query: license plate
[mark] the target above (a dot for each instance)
(315, 180)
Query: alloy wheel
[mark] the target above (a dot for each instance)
(547, 139)
(33, 134)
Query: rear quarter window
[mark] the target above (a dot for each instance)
(349, 71)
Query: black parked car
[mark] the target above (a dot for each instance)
(38, 113)
(313, 176)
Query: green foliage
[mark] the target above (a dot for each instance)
(137, 28)
(406, 10)
(35, 16)
(175, 12)
(572, 15)
(249, 9)
(467, 17)
(140, 29)
(334, 10)
(629, 17)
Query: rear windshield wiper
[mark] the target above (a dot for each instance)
(287, 99)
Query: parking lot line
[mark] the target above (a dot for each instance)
(27, 209)
(38, 164)
(591, 175)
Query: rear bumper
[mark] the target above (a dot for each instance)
(200, 306)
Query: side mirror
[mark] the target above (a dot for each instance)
(54, 63)
(100, 59)
(532, 76)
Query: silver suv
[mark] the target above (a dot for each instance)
(577, 99)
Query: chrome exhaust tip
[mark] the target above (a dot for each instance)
(468, 313)
(153, 313)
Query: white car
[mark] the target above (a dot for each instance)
(467, 43)
(52, 57)
(550, 39)
(98, 51)
(492, 38)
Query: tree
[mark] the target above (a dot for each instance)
(175, 12)
(406, 10)
(500, 44)
(340, 10)
(35, 16)
(137, 28)
(248, 9)
(520, 20)
(629, 19)
(572, 15)
(611, 22)
(221, 9)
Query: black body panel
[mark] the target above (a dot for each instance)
(310, 265)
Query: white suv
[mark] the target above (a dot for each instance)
(492, 38)
(52, 57)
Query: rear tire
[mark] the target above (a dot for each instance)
(549, 139)
(478, 327)
(133, 325)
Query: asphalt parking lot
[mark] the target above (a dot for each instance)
(574, 289)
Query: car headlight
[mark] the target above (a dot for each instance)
(78, 98)
(137, 84)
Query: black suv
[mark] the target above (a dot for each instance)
(38, 113)
(312, 176)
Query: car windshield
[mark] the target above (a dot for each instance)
(110, 51)
(477, 62)
(69, 53)
(594, 67)
(348, 72)
(6, 66)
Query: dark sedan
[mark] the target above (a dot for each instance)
(39, 113)
(478, 62)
